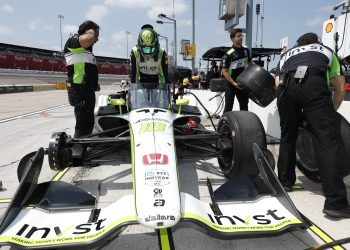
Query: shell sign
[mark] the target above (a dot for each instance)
(329, 27)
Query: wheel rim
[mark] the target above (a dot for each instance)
(226, 159)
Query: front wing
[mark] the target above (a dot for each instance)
(38, 228)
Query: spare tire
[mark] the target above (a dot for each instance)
(239, 130)
(217, 84)
(306, 160)
(258, 84)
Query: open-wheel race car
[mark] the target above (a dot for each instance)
(156, 130)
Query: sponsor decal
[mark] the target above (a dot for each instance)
(159, 203)
(29, 231)
(157, 177)
(155, 159)
(153, 119)
(269, 218)
(159, 217)
(158, 193)
(151, 127)
(146, 68)
(306, 48)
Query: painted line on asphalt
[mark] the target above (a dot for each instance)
(165, 239)
(320, 233)
(60, 175)
(5, 200)
(32, 113)
(324, 236)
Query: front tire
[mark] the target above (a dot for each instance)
(239, 130)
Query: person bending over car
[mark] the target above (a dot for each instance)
(304, 75)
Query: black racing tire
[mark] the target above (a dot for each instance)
(306, 160)
(239, 130)
(258, 84)
(217, 84)
(305, 156)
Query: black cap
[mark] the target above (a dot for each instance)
(147, 26)
(310, 36)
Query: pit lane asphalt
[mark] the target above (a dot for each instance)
(28, 133)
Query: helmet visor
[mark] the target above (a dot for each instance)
(148, 50)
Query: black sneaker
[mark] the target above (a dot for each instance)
(338, 213)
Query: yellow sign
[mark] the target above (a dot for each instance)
(190, 50)
(329, 27)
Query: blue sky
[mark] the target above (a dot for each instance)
(35, 23)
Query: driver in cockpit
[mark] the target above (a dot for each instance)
(149, 65)
(149, 62)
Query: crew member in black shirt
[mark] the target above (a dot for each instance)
(233, 63)
(304, 75)
(82, 76)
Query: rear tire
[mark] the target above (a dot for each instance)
(305, 156)
(306, 160)
(240, 129)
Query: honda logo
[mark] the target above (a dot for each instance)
(155, 159)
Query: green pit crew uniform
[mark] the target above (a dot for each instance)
(309, 98)
(81, 84)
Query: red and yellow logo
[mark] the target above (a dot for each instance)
(329, 27)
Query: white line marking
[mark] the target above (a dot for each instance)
(33, 113)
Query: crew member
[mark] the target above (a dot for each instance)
(214, 70)
(149, 63)
(304, 74)
(233, 63)
(82, 76)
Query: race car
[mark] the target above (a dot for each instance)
(156, 130)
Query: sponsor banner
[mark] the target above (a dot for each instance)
(67, 227)
(265, 214)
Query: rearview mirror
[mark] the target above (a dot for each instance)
(117, 102)
(182, 102)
